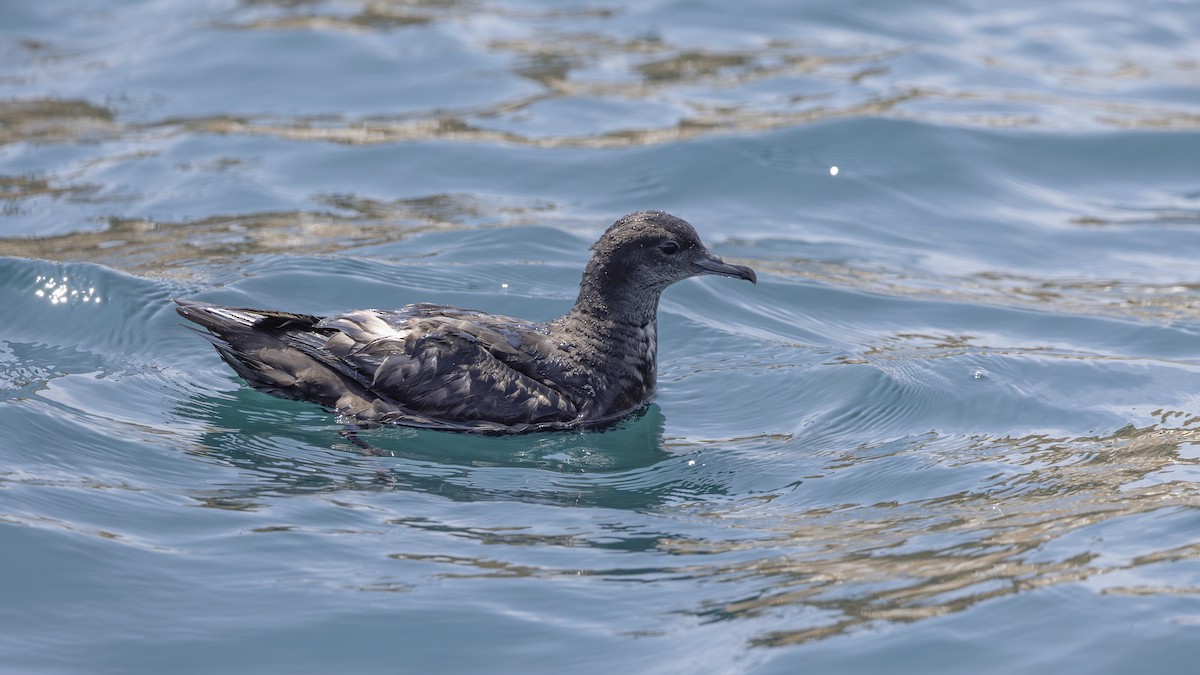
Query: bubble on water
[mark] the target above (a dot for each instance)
(833, 171)
(978, 374)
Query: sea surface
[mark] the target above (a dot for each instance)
(955, 428)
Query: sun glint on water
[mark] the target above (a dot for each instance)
(59, 291)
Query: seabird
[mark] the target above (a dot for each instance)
(443, 367)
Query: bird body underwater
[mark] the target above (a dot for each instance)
(443, 367)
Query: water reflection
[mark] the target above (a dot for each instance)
(571, 54)
(292, 448)
(905, 562)
(52, 120)
(632, 443)
(474, 127)
(1098, 295)
(15, 190)
(829, 497)
(857, 564)
(164, 248)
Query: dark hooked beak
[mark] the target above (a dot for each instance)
(711, 264)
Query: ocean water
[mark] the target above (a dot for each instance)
(954, 428)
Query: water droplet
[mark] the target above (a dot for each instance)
(833, 171)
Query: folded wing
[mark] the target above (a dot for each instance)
(449, 364)
(424, 364)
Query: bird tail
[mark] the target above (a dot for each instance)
(220, 319)
(279, 353)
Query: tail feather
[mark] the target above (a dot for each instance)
(216, 317)
(281, 354)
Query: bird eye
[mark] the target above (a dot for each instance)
(669, 247)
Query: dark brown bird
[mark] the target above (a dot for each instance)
(448, 368)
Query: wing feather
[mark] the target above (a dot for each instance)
(450, 366)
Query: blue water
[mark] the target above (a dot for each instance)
(954, 428)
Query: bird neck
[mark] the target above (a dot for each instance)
(607, 294)
(619, 351)
(613, 321)
(612, 333)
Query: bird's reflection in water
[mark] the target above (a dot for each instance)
(626, 444)
(287, 448)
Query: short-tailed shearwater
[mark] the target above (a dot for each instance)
(443, 367)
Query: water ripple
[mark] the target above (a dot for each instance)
(957, 413)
